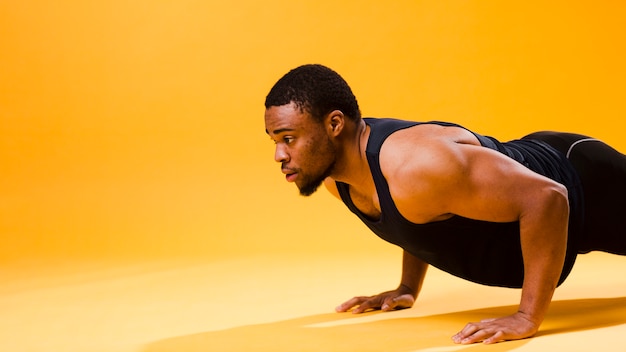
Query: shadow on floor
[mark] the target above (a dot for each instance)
(340, 332)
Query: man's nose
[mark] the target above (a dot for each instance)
(281, 155)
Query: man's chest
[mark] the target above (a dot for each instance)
(366, 203)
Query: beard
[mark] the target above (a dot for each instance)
(310, 183)
(323, 158)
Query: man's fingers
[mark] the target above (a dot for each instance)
(488, 331)
(478, 336)
(355, 301)
(365, 305)
(467, 331)
(497, 337)
(512, 327)
(473, 332)
(385, 301)
(400, 302)
(389, 304)
(487, 336)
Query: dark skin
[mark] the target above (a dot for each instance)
(453, 175)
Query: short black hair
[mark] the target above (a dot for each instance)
(315, 89)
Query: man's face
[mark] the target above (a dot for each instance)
(303, 147)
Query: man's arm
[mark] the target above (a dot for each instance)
(413, 273)
(543, 233)
(482, 184)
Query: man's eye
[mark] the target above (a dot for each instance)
(288, 140)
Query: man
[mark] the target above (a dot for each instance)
(510, 214)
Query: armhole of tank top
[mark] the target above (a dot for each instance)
(378, 138)
(344, 194)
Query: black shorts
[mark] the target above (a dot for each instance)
(602, 172)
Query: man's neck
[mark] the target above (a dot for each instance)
(352, 166)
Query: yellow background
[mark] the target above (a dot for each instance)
(132, 135)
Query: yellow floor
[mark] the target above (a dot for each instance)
(285, 303)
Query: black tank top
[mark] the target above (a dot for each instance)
(488, 253)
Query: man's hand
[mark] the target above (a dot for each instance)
(399, 298)
(512, 327)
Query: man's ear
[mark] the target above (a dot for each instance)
(335, 122)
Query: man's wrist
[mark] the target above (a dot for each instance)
(404, 288)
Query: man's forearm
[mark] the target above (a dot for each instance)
(544, 245)
(413, 273)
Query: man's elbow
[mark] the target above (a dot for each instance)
(558, 199)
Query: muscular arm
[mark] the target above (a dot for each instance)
(543, 235)
(478, 183)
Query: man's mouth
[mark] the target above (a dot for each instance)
(290, 175)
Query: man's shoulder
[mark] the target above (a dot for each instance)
(426, 153)
(413, 149)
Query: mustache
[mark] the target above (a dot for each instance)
(290, 170)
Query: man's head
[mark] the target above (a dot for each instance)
(315, 89)
(305, 114)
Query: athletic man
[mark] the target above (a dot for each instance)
(510, 214)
